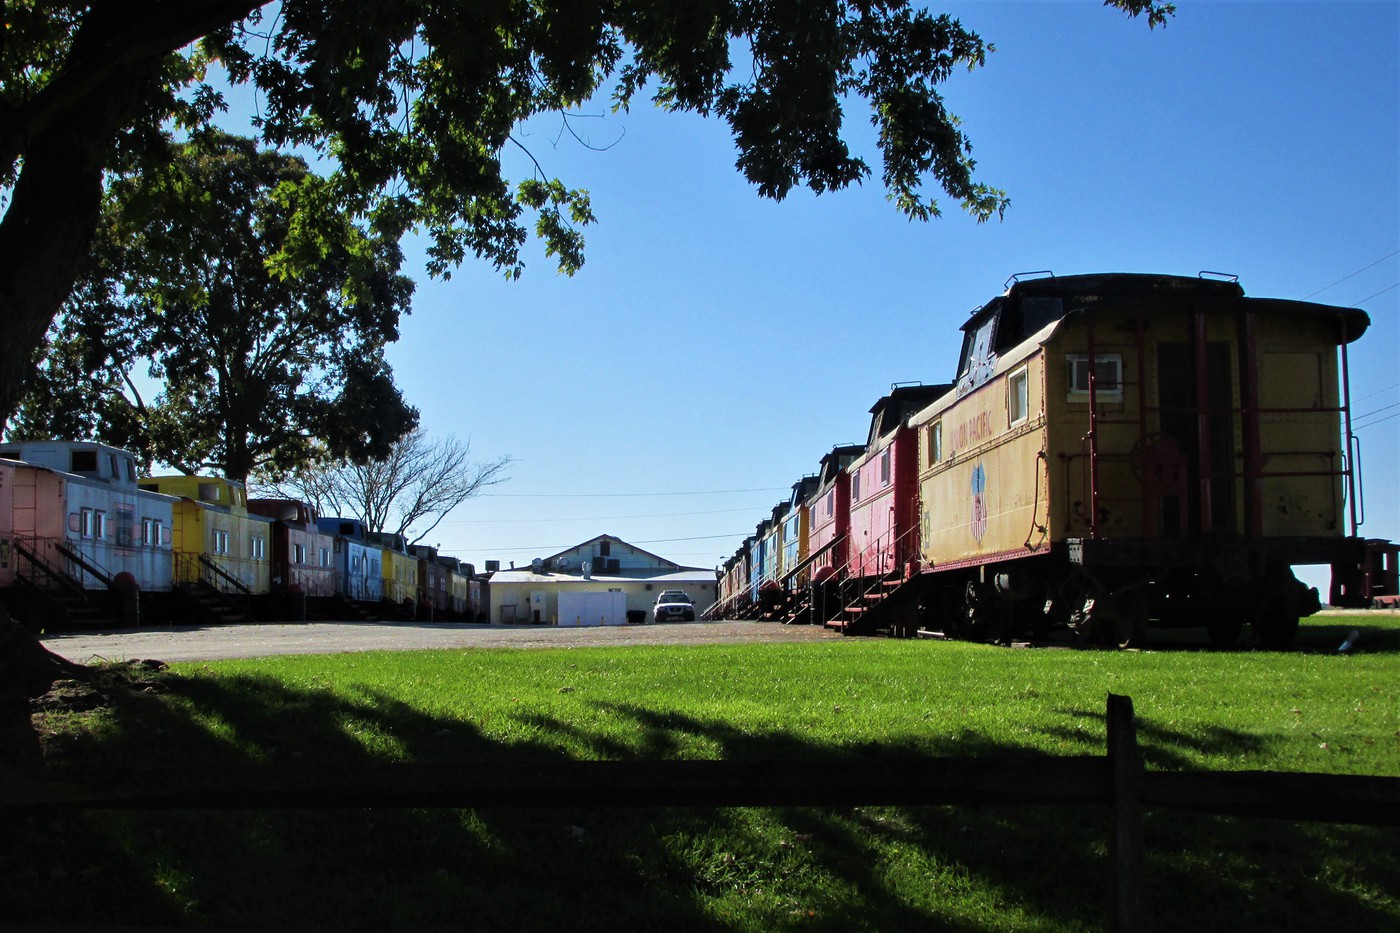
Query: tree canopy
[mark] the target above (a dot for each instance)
(413, 102)
(259, 368)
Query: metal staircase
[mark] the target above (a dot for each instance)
(879, 598)
(47, 594)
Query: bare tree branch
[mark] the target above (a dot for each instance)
(408, 493)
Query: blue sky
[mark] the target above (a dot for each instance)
(715, 344)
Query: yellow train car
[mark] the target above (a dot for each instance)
(214, 538)
(400, 571)
(1131, 450)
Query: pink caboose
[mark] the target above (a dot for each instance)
(884, 535)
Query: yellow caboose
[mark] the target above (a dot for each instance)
(1123, 450)
(216, 541)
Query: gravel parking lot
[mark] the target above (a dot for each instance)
(207, 643)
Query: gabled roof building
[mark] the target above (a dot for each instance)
(603, 581)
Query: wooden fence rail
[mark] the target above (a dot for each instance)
(1117, 780)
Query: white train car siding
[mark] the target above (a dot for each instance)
(102, 515)
(364, 573)
(120, 532)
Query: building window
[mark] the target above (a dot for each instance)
(935, 442)
(1108, 375)
(1018, 406)
(604, 548)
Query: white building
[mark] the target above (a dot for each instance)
(597, 582)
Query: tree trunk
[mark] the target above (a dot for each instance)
(27, 668)
(63, 139)
(45, 233)
(27, 671)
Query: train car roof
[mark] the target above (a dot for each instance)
(803, 489)
(1035, 306)
(1082, 292)
(95, 482)
(891, 411)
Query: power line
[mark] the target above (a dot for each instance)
(1371, 424)
(1369, 297)
(1382, 391)
(625, 495)
(560, 547)
(1354, 274)
(596, 518)
(1377, 411)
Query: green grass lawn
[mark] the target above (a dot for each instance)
(941, 868)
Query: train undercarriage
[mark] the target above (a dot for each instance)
(1114, 593)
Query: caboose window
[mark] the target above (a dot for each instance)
(325, 557)
(82, 461)
(1018, 407)
(1108, 375)
(99, 524)
(220, 541)
(885, 468)
(298, 553)
(935, 442)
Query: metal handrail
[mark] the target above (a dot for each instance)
(87, 563)
(31, 548)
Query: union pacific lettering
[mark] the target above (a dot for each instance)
(972, 432)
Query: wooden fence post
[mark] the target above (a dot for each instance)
(1125, 848)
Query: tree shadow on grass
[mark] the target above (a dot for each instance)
(1362, 634)
(886, 868)
(1162, 747)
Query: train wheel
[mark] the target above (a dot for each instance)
(1128, 628)
(1276, 625)
(977, 613)
(1224, 632)
(1127, 631)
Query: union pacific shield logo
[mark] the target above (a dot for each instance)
(979, 502)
